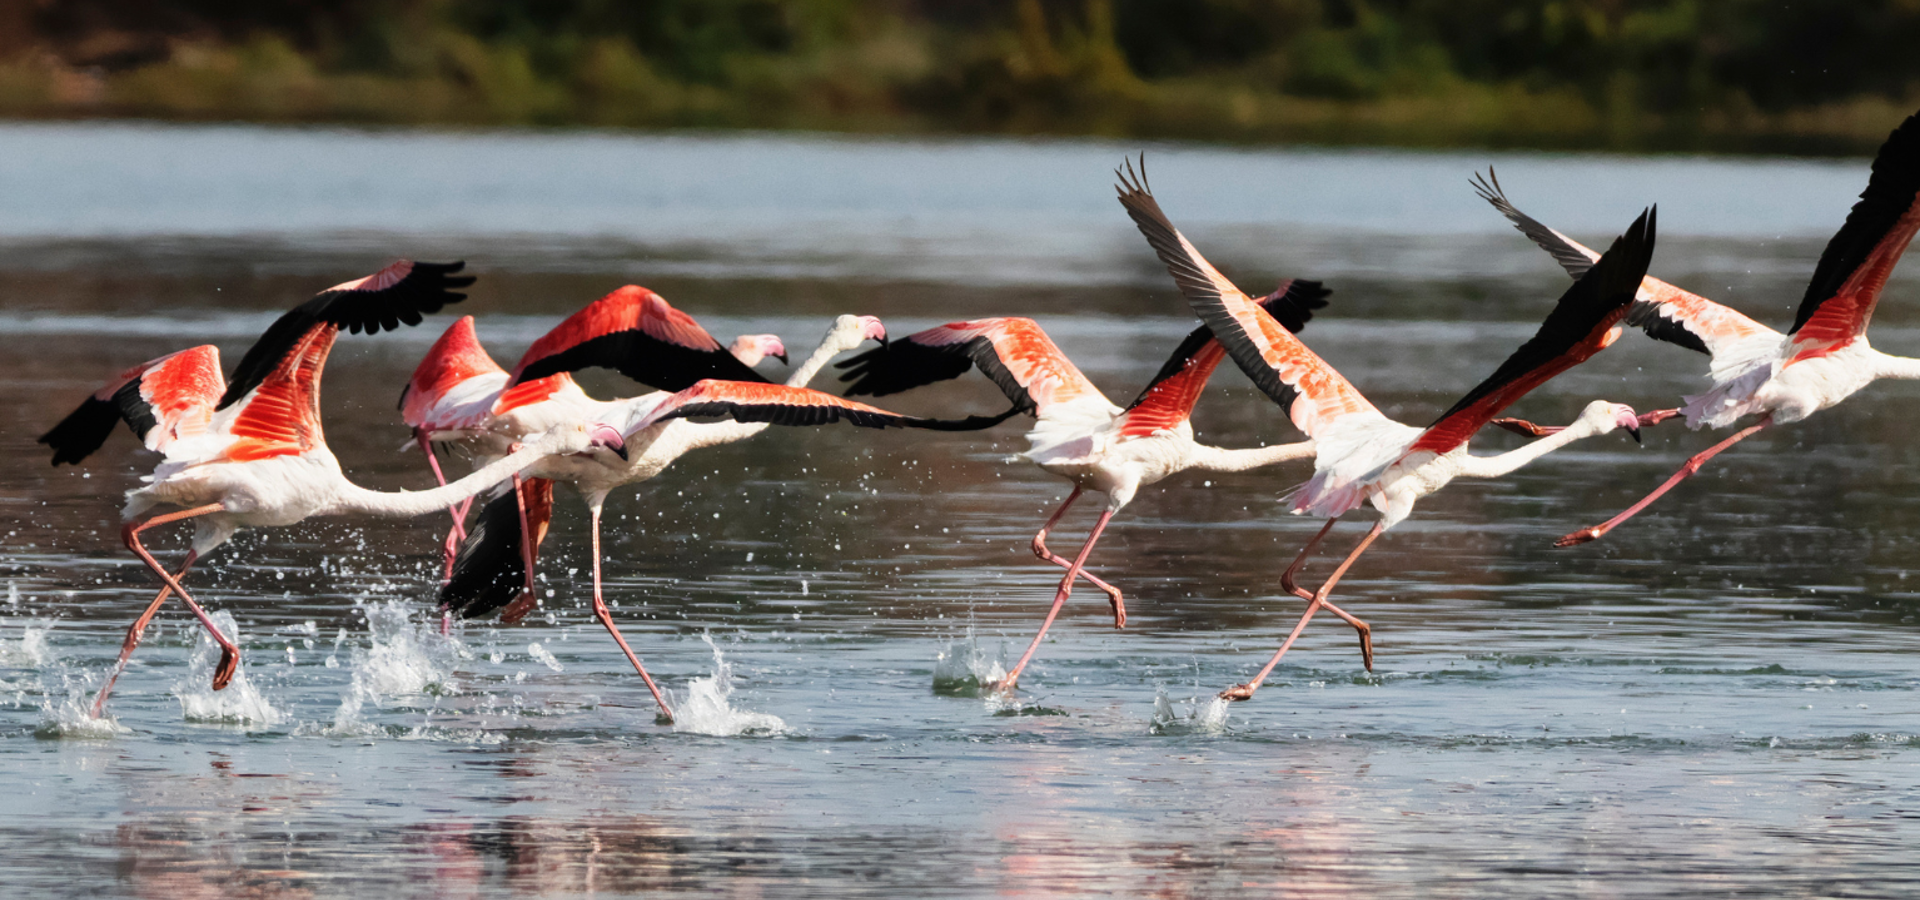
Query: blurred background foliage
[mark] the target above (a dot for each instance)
(1811, 76)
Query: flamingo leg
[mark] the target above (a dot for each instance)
(606, 618)
(1319, 601)
(135, 632)
(458, 532)
(1293, 587)
(1114, 598)
(1059, 600)
(229, 654)
(1686, 471)
(524, 603)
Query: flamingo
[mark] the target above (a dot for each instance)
(454, 391)
(1360, 455)
(251, 453)
(1078, 434)
(494, 568)
(1823, 359)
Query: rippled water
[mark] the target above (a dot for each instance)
(1720, 699)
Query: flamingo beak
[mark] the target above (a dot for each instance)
(776, 349)
(874, 330)
(1635, 431)
(609, 437)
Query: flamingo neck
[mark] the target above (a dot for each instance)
(1900, 367)
(352, 498)
(1496, 466)
(834, 344)
(1221, 459)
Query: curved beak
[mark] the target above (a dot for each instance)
(609, 437)
(1635, 431)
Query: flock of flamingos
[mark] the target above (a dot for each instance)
(250, 451)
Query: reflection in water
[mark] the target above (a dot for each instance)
(1722, 698)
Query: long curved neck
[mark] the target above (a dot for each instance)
(1888, 366)
(1221, 459)
(353, 498)
(1496, 466)
(831, 346)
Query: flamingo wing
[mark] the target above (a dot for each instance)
(1858, 260)
(281, 415)
(779, 404)
(488, 571)
(635, 332)
(1665, 312)
(450, 381)
(1580, 325)
(402, 292)
(1022, 361)
(1168, 399)
(1297, 379)
(161, 400)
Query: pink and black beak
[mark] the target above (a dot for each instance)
(609, 437)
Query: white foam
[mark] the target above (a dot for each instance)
(239, 703)
(708, 708)
(1208, 717)
(30, 650)
(966, 664)
(402, 658)
(544, 657)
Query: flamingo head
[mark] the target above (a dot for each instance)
(1611, 416)
(752, 348)
(607, 437)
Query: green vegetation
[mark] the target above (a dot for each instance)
(1817, 76)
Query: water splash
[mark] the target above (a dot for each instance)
(964, 668)
(67, 714)
(239, 703)
(708, 708)
(1200, 717)
(30, 651)
(403, 658)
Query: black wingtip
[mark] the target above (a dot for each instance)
(1293, 303)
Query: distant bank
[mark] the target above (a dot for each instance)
(1631, 76)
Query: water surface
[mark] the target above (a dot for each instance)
(1719, 699)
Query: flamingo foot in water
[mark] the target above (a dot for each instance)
(1238, 692)
(518, 609)
(1580, 537)
(229, 666)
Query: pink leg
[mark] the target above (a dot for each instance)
(606, 618)
(1686, 471)
(1245, 691)
(229, 654)
(458, 532)
(1059, 600)
(1114, 598)
(1293, 587)
(135, 632)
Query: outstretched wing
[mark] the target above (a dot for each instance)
(402, 292)
(281, 415)
(1858, 260)
(488, 571)
(1664, 312)
(1168, 399)
(779, 404)
(1581, 324)
(161, 400)
(1014, 352)
(636, 333)
(1311, 392)
(444, 388)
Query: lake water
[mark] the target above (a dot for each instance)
(1720, 699)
